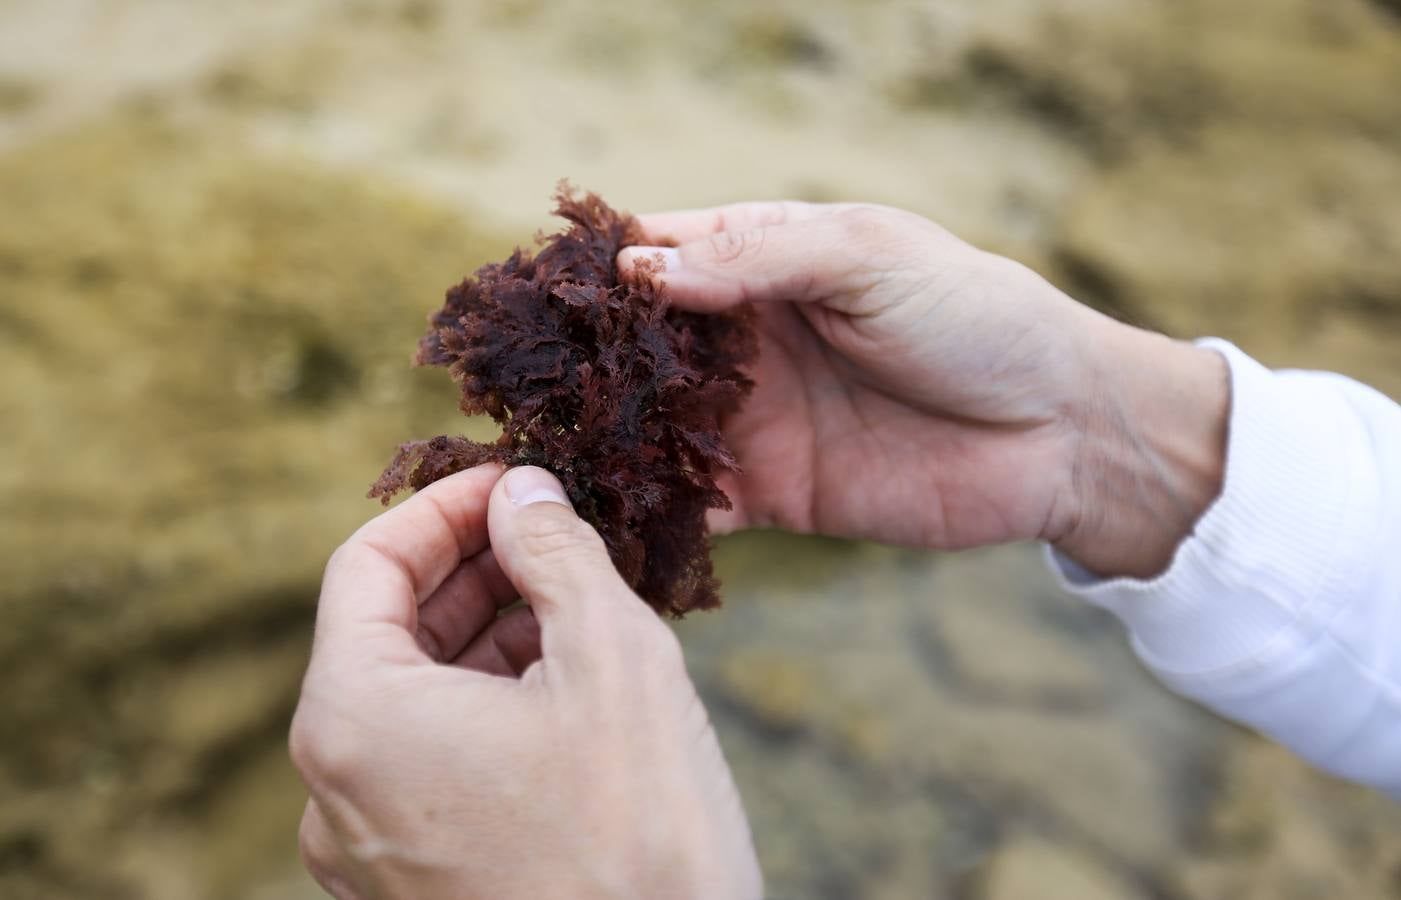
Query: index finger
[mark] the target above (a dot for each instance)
(686, 225)
(380, 575)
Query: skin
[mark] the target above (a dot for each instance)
(913, 389)
(910, 389)
(558, 749)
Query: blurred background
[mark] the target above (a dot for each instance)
(222, 225)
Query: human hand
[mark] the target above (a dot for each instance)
(913, 389)
(451, 751)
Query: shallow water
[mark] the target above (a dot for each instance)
(220, 234)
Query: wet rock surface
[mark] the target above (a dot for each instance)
(1034, 868)
(215, 260)
(206, 351)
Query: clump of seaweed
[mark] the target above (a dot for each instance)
(598, 379)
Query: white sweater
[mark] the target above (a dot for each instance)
(1283, 609)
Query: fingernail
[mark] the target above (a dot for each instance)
(666, 259)
(527, 484)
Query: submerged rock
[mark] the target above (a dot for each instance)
(206, 352)
(1029, 867)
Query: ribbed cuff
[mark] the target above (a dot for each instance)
(1254, 567)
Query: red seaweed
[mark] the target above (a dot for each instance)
(600, 380)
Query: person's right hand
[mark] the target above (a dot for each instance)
(458, 745)
(913, 389)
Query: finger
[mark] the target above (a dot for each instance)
(561, 568)
(686, 225)
(506, 647)
(809, 259)
(462, 606)
(725, 521)
(321, 854)
(379, 576)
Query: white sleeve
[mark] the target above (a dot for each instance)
(1282, 610)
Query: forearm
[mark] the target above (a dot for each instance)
(1282, 605)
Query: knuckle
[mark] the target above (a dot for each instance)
(553, 535)
(756, 214)
(734, 246)
(773, 213)
(366, 544)
(310, 849)
(864, 225)
(321, 752)
(317, 866)
(341, 555)
(301, 743)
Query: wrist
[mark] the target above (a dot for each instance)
(1151, 450)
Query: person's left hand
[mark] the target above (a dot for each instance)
(451, 751)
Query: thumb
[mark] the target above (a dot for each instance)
(561, 568)
(798, 261)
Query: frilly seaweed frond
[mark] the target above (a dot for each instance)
(600, 381)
